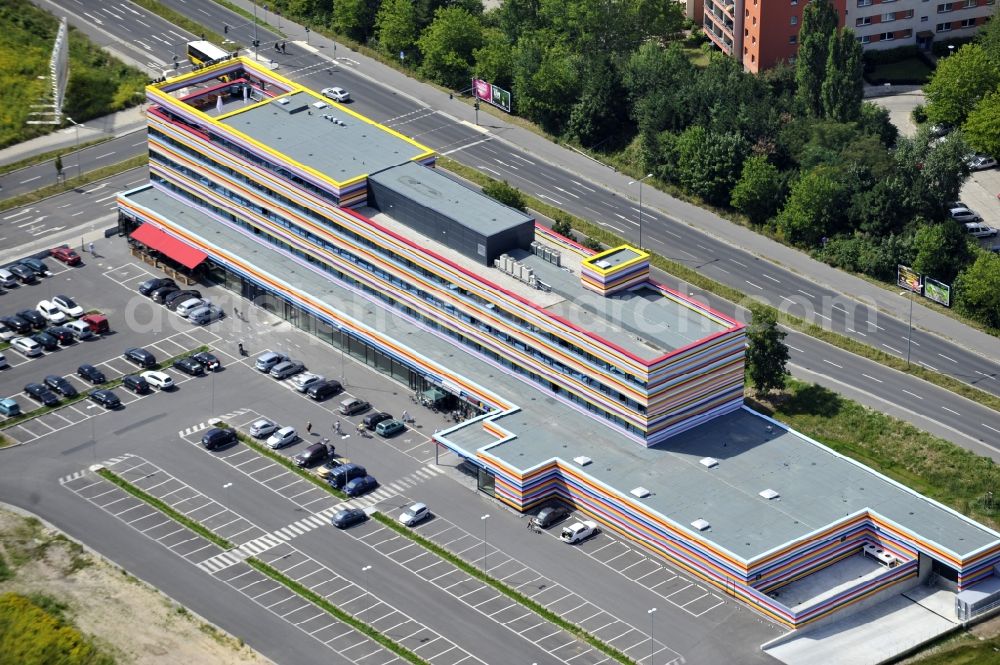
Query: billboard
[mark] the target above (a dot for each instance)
(937, 291)
(491, 94)
(908, 278)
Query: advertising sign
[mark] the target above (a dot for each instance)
(937, 291)
(491, 94)
(908, 278)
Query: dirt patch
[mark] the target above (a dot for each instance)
(126, 617)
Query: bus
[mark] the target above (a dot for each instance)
(200, 52)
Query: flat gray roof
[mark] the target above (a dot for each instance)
(339, 151)
(619, 256)
(454, 200)
(816, 486)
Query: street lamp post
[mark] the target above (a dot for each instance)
(255, 40)
(226, 488)
(76, 126)
(484, 518)
(648, 175)
(651, 612)
(365, 570)
(909, 328)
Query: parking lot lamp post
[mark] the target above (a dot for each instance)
(226, 488)
(651, 612)
(484, 518)
(909, 327)
(648, 175)
(367, 588)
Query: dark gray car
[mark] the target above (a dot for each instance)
(288, 368)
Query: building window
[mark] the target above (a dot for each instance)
(943, 27)
(907, 34)
(924, 19)
(793, 39)
(887, 18)
(864, 20)
(865, 39)
(946, 7)
(970, 3)
(969, 23)
(794, 20)
(887, 36)
(864, 3)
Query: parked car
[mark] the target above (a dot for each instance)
(136, 384)
(348, 517)
(26, 346)
(578, 532)
(63, 334)
(415, 514)
(980, 230)
(24, 274)
(36, 266)
(177, 297)
(91, 373)
(288, 368)
(388, 428)
(263, 427)
(353, 405)
(3, 361)
(336, 94)
(106, 398)
(963, 215)
(360, 486)
(207, 360)
(66, 255)
(324, 390)
(98, 323)
(41, 394)
(50, 312)
(306, 380)
(332, 464)
(345, 473)
(6, 333)
(7, 279)
(269, 359)
(981, 162)
(68, 306)
(60, 385)
(33, 317)
(550, 516)
(312, 455)
(205, 315)
(150, 285)
(216, 438)
(160, 294)
(184, 306)
(79, 329)
(160, 380)
(17, 324)
(9, 407)
(46, 340)
(373, 419)
(189, 366)
(285, 436)
(140, 357)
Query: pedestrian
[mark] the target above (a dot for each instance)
(336, 427)
(91, 248)
(284, 47)
(406, 416)
(242, 350)
(309, 428)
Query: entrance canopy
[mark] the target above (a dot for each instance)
(169, 246)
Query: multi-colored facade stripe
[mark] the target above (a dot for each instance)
(616, 269)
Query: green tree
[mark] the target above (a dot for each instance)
(759, 190)
(354, 18)
(495, 59)
(819, 22)
(944, 171)
(989, 39)
(447, 45)
(597, 116)
(959, 82)
(659, 83)
(396, 26)
(874, 120)
(767, 355)
(942, 250)
(977, 289)
(814, 209)
(506, 194)
(561, 224)
(881, 208)
(843, 87)
(709, 163)
(982, 128)
(546, 80)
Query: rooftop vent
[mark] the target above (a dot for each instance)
(709, 462)
(701, 525)
(640, 492)
(602, 264)
(319, 105)
(282, 100)
(769, 494)
(582, 460)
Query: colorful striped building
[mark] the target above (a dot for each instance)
(339, 226)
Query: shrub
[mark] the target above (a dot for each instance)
(506, 194)
(919, 114)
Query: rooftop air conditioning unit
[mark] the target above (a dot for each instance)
(701, 525)
(709, 462)
(582, 460)
(640, 492)
(769, 494)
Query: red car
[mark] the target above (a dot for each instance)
(66, 255)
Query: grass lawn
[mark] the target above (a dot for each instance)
(909, 70)
(98, 84)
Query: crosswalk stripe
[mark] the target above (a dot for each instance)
(296, 528)
(314, 520)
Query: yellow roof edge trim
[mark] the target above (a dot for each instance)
(591, 261)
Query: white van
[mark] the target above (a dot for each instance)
(980, 230)
(7, 279)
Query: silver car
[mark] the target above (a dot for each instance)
(205, 314)
(306, 380)
(269, 359)
(285, 436)
(263, 427)
(286, 369)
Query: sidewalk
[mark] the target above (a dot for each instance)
(108, 126)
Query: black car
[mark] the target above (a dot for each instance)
(140, 357)
(216, 438)
(136, 384)
(36, 266)
(324, 389)
(42, 394)
(311, 456)
(91, 373)
(60, 385)
(106, 398)
(46, 340)
(177, 297)
(33, 317)
(24, 274)
(17, 324)
(190, 366)
(160, 294)
(63, 334)
(207, 360)
(150, 285)
(550, 515)
(345, 473)
(348, 517)
(373, 419)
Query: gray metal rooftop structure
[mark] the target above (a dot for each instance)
(343, 150)
(816, 486)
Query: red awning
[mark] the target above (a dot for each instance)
(185, 254)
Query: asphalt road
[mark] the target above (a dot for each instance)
(693, 622)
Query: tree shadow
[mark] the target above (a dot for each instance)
(813, 400)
